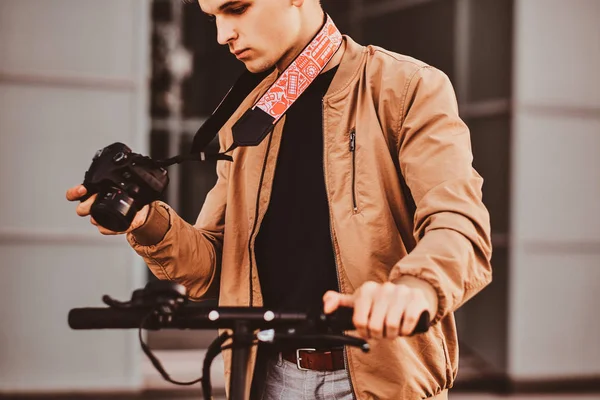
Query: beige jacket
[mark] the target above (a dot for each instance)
(412, 150)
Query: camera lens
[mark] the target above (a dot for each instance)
(114, 210)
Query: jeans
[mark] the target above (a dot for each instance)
(284, 381)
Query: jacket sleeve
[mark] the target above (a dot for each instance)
(187, 254)
(451, 224)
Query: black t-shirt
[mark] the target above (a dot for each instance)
(294, 251)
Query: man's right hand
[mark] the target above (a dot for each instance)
(83, 210)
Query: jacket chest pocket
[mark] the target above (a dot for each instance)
(352, 149)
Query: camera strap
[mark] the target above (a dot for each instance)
(258, 121)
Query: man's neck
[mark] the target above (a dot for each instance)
(336, 59)
(311, 32)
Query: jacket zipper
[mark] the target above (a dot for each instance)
(353, 151)
(255, 224)
(337, 269)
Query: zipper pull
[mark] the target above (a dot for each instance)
(352, 140)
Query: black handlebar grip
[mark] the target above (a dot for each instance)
(423, 324)
(342, 319)
(105, 318)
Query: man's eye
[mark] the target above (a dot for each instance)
(238, 10)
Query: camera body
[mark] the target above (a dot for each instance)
(125, 182)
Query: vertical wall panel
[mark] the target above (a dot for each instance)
(73, 79)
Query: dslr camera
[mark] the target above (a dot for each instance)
(125, 182)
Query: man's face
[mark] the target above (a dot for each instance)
(258, 32)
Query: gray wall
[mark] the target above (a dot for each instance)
(73, 78)
(555, 239)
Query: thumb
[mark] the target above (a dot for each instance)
(333, 300)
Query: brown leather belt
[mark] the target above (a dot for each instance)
(316, 360)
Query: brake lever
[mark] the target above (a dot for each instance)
(327, 340)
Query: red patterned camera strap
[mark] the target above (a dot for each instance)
(302, 72)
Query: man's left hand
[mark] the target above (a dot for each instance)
(386, 310)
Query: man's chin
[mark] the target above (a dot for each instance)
(257, 67)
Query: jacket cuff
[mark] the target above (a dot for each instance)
(155, 228)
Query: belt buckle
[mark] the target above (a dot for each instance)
(298, 358)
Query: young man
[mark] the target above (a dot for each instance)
(363, 195)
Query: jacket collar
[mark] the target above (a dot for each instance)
(348, 68)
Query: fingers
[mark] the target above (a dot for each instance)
(363, 302)
(83, 209)
(76, 192)
(383, 299)
(394, 315)
(333, 300)
(412, 313)
(102, 229)
(107, 232)
(382, 311)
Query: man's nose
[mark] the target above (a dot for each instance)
(225, 32)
